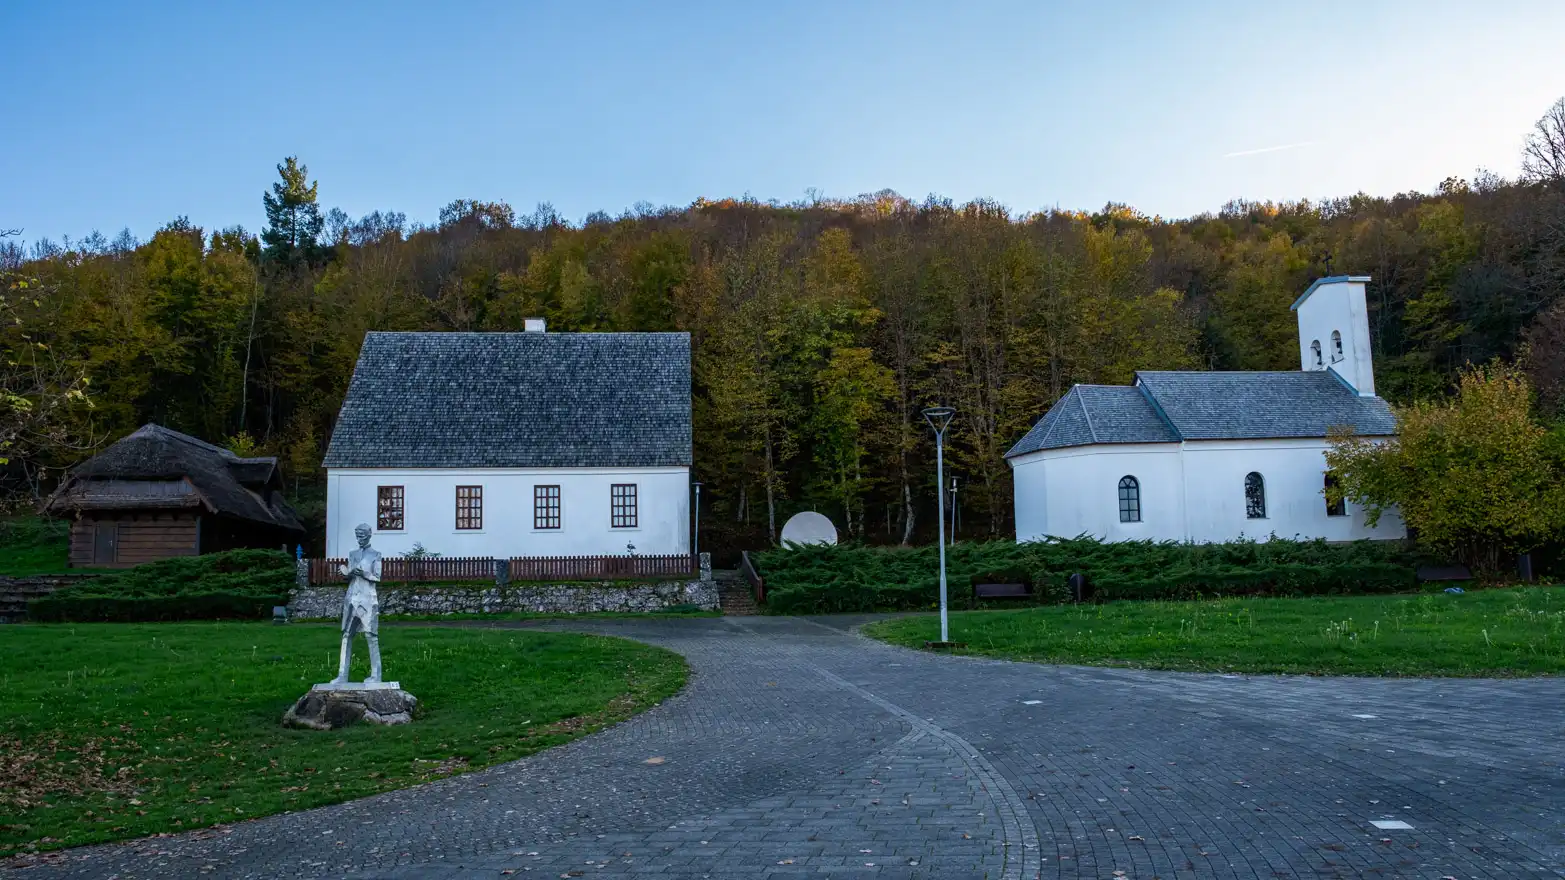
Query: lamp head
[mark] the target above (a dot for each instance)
(939, 417)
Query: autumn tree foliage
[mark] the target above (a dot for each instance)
(1475, 476)
(820, 328)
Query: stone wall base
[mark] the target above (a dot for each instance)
(325, 601)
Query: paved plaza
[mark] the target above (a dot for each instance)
(800, 749)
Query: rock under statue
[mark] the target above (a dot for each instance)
(361, 605)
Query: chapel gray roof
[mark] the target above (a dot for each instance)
(1259, 405)
(516, 400)
(1097, 414)
(1165, 407)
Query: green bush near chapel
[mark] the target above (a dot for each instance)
(237, 585)
(850, 578)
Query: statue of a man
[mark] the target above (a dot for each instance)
(361, 606)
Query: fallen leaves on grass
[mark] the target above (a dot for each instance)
(32, 771)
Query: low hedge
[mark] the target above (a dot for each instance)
(817, 579)
(237, 584)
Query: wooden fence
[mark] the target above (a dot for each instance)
(398, 569)
(462, 569)
(598, 568)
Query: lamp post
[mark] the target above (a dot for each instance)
(939, 417)
(955, 517)
(695, 543)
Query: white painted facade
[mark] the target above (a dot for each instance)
(430, 511)
(1337, 321)
(1189, 491)
(1194, 490)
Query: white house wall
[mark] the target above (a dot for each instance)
(1189, 491)
(429, 500)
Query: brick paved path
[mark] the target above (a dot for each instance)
(799, 749)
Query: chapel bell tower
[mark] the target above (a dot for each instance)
(1334, 331)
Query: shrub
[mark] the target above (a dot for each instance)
(241, 584)
(819, 579)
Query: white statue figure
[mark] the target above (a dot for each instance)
(361, 606)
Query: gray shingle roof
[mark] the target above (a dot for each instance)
(1166, 407)
(516, 400)
(1097, 414)
(1241, 406)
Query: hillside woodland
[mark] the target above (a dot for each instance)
(820, 328)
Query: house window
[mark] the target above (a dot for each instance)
(388, 509)
(1336, 346)
(1315, 353)
(1338, 507)
(546, 507)
(469, 507)
(622, 505)
(1254, 496)
(1129, 499)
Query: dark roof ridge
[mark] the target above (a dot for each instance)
(1146, 394)
(1086, 413)
(1044, 440)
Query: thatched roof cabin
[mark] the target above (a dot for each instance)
(159, 493)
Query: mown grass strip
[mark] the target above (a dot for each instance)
(1486, 633)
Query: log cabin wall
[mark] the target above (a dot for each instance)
(100, 540)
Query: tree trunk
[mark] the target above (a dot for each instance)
(771, 499)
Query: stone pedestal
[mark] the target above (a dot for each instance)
(330, 706)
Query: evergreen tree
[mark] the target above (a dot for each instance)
(293, 219)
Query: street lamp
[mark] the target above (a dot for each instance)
(939, 417)
(695, 552)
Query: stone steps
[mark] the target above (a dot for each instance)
(733, 593)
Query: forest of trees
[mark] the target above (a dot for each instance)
(819, 328)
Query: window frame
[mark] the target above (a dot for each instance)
(549, 515)
(619, 518)
(1129, 499)
(473, 511)
(384, 496)
(1341, 507)
(1255, 505)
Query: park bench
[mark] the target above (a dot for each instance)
(1002, 591)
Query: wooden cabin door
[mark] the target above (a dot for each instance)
(105, 543)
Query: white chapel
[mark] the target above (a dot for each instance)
(1211, 456)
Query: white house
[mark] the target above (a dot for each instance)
(515, 444)
(1211, 456)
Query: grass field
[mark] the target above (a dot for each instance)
(33, 545)
(112, 731)
(1507, 632)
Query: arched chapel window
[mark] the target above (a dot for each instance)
(1315, 353)
(1129, 499)
(1336, 346)
(1254, 496)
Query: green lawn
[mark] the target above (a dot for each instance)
(33, 545)
(1505, 632)
(111, 731)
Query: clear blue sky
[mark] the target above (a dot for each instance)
(125, 114)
